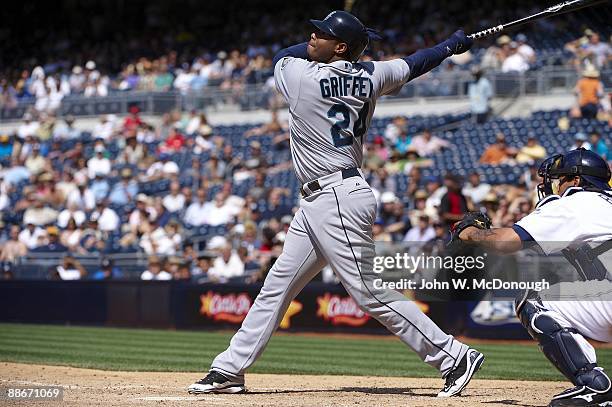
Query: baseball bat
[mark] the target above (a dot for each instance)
(561, 8)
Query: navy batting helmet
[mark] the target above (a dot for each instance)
(589, 166)
(347, 28)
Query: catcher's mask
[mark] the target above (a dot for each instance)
(592, 169)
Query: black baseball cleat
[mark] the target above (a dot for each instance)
(582, 396)
(460, 376)
(215, 382)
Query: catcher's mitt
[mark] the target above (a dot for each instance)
(476, 219)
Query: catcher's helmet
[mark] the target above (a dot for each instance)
(589, 166)
(347, 28)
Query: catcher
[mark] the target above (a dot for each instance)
(574, 217)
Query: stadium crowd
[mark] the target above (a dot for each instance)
(177, 60)
(169, 191)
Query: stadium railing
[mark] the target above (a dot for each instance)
(544, 81)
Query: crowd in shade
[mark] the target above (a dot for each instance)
(163, 54)
(207, 205)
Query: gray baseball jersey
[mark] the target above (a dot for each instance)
(331, 106)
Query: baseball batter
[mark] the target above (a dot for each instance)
(331, 100)
(573, 217)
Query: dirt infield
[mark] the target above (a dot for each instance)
(96, 387)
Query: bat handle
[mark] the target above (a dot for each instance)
(487, 32)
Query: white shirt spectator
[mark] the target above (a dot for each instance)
(4, 201)
(65, 216)
(85, 201)
(158, 242)
(527, 52)
(167, 168)
(31, 238)
(40, 216)
(29, 128)
(98, 165)
(182, 81)
(104, 129)
(192, 125)
(223, 271)
(174, 203)
(195, 215)
(162, 275)
(417, 235)
(476, 193)
(515, 63)
(108, 220)
(217, 215)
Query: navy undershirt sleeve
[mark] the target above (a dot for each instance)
(427, 59)
(523, 234)
(296, 51)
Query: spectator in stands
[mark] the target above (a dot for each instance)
(125, 190)
(496, 54)
(98, 164)
(196, 212)
(6, 147)
(581, 141)
(105, 128)
(531, 152)
(525, 49)
(597, 52)
(28, 128)
(53, 244)
(162, 168)
(393, 215)
(36, 163)
(108, 220)
(427, 144)
(175, 201)
(475, 190)
(480, 93)
(272, 127)
(71, 236)
(133, 120)
(379, 234)
(420, 208)
(515, 61)
(82, 197)
(155, 271)
(100, 187)
(599, 146)
(453, 205)
(40, 214)
(226, 266)
(31, 235)
(13, 248)
(70, 269)
(200, 270)
(134, 152)
(203, 140)
(107, 271)
(217, 212)
(175, 141)
(437, 245)
(397, 127)
(498, 153)
(589, 90)
(275, 208)
(421, 233)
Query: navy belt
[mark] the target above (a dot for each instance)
(314, 186)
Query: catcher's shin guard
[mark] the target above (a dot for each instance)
(563, 346)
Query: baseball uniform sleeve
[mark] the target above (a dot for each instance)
(288, 73)
(390, 76)
(553, 226)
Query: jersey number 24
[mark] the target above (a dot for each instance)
(359, 128)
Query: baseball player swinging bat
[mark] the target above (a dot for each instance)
(558, 9)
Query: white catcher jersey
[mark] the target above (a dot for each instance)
(577, 217)
(331, 106)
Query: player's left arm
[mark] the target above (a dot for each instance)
(427, 59)
(505, 240)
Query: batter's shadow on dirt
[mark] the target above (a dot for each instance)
(366, 390)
